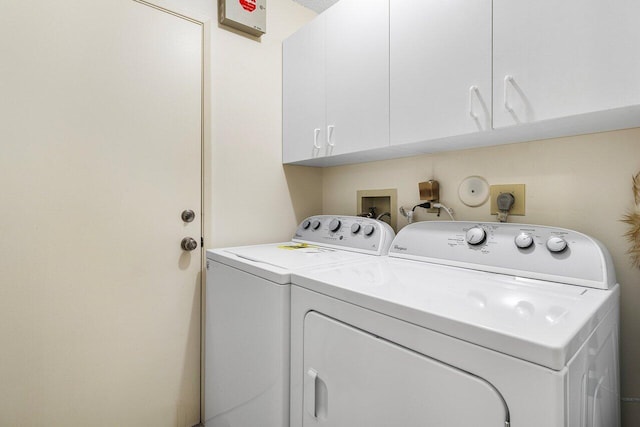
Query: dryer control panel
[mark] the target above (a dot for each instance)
(523, 250)
(355, 233)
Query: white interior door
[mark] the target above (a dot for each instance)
(100, 152)
(352, 378)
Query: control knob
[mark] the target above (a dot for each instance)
(306, 224)
(476, 236)
(524, 240)
(355, 228)
(369, 229)
(556, 244)
(334, 225)
(315, 224)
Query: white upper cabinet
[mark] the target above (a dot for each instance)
(555, 59)
(440, 69)
(336, 82)
(377, 79)
(357, 71)
(303, 93)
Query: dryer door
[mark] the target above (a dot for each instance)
(353, 378)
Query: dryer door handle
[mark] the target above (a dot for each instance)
(316, 395)
(310, 392)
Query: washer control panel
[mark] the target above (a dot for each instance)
(523, 250)
(354, 233)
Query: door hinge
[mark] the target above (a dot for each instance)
(202, 242)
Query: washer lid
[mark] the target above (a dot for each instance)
(275, 261)
(542, 322)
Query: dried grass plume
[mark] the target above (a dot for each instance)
(633, 220)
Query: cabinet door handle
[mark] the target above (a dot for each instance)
(330, 129)
(507, 80)
(472, 90)
(316, 134)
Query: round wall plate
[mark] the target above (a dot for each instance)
(473, 191)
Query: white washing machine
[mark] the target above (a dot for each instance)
(463, 324)
(248, 315)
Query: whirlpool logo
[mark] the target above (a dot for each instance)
(399, 248)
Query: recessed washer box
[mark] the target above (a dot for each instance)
(249, 16)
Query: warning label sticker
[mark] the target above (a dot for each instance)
(248, 5)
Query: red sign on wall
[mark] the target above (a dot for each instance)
(248, 5)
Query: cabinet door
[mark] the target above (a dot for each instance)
(564, 58)
(357, 75)
(353, 378)
(440, 69)
(303, 94)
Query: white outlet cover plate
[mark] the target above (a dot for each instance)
(474, 191)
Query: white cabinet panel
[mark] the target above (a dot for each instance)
(357, 81)
(336, 82)
(566, 58)
(353, 378)
(303, 93)
(440, 69)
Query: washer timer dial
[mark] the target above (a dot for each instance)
(476, 236)
(334, 225)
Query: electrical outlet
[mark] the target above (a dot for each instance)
(518, 192)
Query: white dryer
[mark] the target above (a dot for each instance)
(248, 315)
(463, 324)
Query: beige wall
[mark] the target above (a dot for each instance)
(249, 196)
(253, 198)
(582, 183)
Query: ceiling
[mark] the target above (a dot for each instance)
(317, 5)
